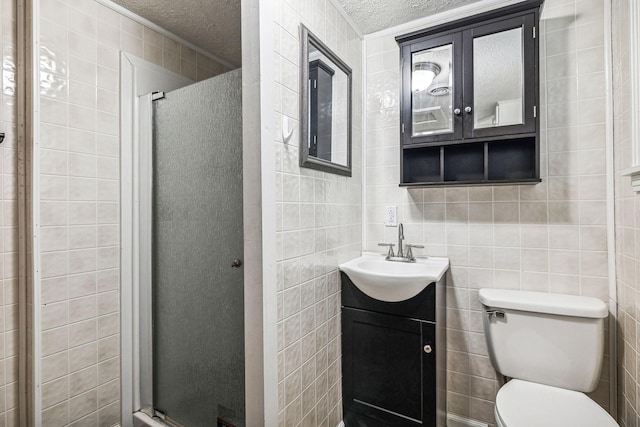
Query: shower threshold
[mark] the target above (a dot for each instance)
(140, 419)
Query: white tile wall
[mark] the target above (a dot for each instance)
(79, 200)
(319, 225)
(550, 237)
(627, 225)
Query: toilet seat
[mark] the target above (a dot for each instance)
(525, 404)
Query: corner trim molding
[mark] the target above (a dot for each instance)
(265, 132)
(36, 316)
(23, 137)
(364, 142)
(611, 230)
(443, 17)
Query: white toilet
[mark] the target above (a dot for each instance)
(552, 347)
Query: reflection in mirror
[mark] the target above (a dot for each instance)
(325, 108)
(498, 76)
(431, 91)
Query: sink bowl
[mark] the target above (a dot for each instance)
(393, 281)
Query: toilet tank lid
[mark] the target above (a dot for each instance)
(542, 302)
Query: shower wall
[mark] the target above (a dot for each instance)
(79, 195)
(318, 226)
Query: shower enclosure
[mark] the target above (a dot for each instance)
(191, 277)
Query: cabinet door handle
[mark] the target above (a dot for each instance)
(427, 348)
(457, 111)
(467, 109)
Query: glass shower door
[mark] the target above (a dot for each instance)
(197, 282)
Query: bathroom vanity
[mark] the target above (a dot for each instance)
(393, 357)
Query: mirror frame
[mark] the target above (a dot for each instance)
(306, 160)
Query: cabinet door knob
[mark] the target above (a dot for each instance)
(467, 109)
(427, 348)
(457, 111)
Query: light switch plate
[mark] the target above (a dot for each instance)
(391, 216)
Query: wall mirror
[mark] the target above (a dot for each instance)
(325, 107)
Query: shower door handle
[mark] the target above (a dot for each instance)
(236, 263)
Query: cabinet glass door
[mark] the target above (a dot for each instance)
(497, 94)
(432, 90)
(431, 93)
(498, 79)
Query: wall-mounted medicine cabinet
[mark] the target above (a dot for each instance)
(469, 100)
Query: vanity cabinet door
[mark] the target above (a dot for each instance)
(500, 79)
(388, 378)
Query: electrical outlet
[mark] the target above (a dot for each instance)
(391, 216)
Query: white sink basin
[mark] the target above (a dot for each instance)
(393, 281)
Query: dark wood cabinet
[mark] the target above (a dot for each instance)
(386, 368)
(393, 360)
(470, 100)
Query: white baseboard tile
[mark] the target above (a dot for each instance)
(340, 424)
(458, 421)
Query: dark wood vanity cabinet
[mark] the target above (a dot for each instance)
(393, 360)
(386, 369)
(470, 100)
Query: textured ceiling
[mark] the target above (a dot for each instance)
(214, 25)
(211, 25)
(376, 15)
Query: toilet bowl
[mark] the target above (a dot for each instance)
(552, 347)
(526, 404)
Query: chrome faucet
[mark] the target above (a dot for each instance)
(400, 256)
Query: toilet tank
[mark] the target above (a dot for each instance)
(550, 339)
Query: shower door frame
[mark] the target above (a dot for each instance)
(139, 78)
(145, 210)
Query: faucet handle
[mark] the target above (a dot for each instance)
(390, 254)
(409, 245)
(410, 252)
